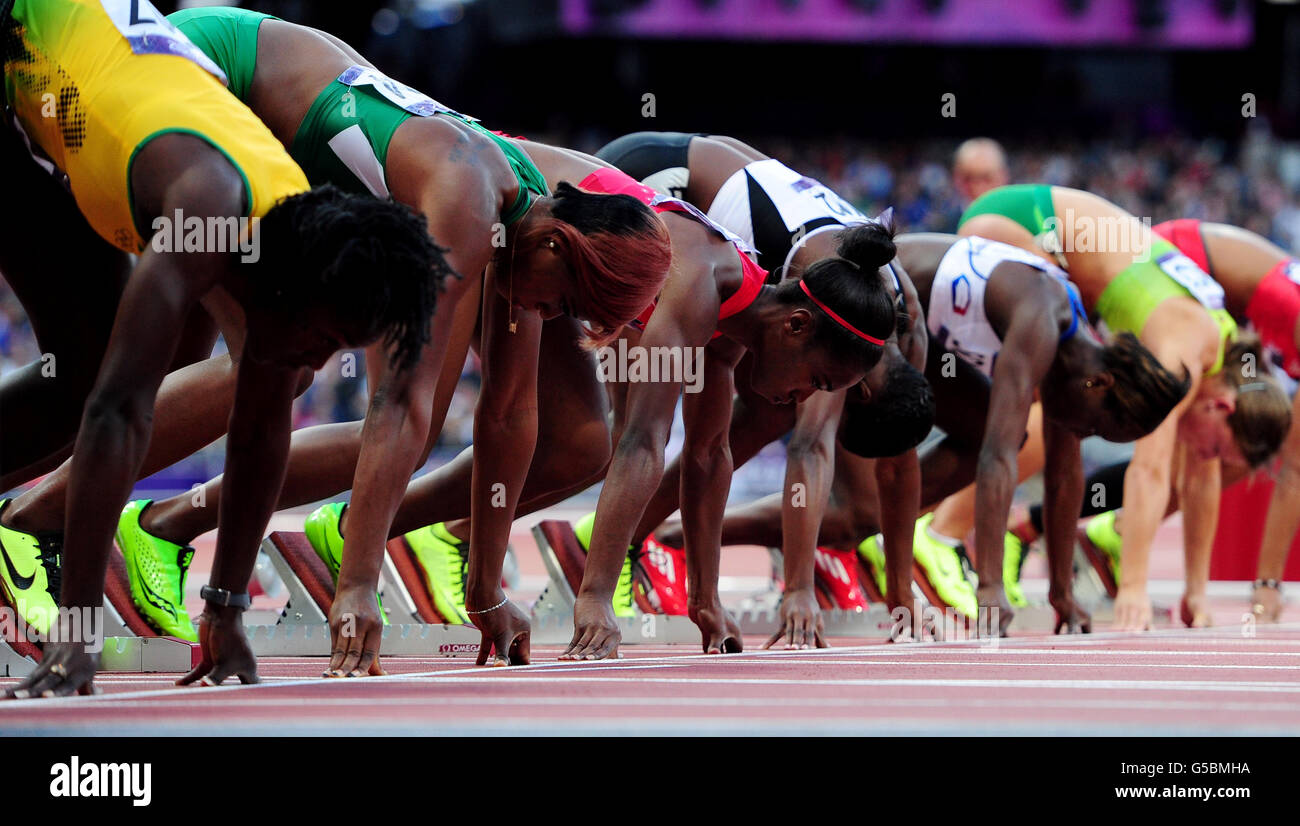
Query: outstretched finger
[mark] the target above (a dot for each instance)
(772, 639)
(582, 640)
(485, 649)
(821, 635)
(197, 673)
(521, 648)
(366, 650)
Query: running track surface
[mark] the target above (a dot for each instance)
(1180, 682)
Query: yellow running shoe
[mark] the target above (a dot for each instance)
(624, 601)
(29, 573)
(445, 561)
(326, 539)
(944, 568)
(872, 552)
(1014, 552)
(1101, 543)
(157, 570)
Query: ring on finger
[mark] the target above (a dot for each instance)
(59, 670)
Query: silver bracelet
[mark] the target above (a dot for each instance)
(489, 610)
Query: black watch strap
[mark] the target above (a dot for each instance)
(220, 596)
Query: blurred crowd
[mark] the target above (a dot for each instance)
(1253, 184)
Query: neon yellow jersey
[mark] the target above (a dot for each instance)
(93, 81)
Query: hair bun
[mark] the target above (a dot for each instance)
(870, 245)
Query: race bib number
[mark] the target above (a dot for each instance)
(1202, 287)
(399, 94)
(800, 199)
(149, 32)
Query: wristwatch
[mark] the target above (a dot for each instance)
(220, 596)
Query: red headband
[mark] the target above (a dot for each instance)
(803, 285)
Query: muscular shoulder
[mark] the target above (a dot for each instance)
(440, 156)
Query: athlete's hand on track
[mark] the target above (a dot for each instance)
(356, 634)
(504, 629)
(1069, 616)
(65, 669)
(801, 621)
(720, 633)
(225, 650)
(1194, 611)
(992, 597)
(1132, 610)
(1266, 604)
(595, 630)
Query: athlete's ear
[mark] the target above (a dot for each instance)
(798, 322)
(1104, 380)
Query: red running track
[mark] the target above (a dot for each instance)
(1180, 682)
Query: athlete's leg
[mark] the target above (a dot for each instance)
(852, 512)
(961, 396)
(322, 459)
(68, 281)
(573, 442)
(193, 408)
(955, 515)
(755, 423)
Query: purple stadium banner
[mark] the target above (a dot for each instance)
(1188, 23)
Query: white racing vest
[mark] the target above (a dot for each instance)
(956, 317)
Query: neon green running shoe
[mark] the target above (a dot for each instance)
(157, 570)
(444, 560)
(1103, 547)
(624, 601)
(944, 567)
(872, 552)
(322, 530)
(29, 573)
(1014, 552)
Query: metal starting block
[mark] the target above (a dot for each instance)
(129, 644)
(149, 654)
(552, 614)
(302, 628)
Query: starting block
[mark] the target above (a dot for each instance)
(302, 628)
(129, 643)
(552, 615)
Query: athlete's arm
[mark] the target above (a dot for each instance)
(1176, 338)
(686, 316)
(1146, 497)
(257, 457)
(1028, 347)
(398, 424)
(706, 479)
(505, 436)
(117, 421)
(898, 480)
(809, 470)
(1280, 524)
(1062, 501)
(1199, 483)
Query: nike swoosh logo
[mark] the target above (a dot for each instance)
(153, 597)
(20, 582)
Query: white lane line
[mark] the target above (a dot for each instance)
(1156, 685)
(1013, 704)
